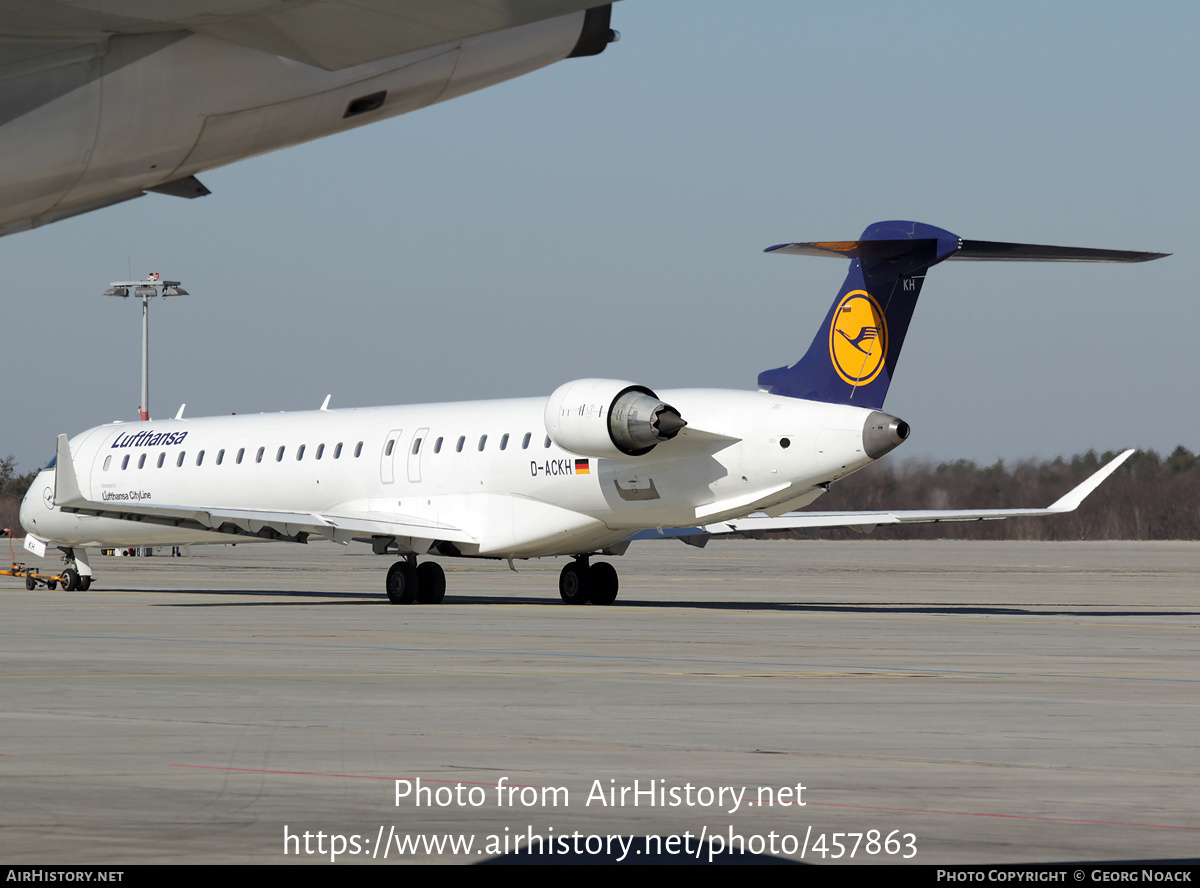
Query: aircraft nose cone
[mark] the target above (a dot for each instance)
(883, 433)
(26, 514)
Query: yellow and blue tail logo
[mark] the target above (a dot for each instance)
(853, 356)
(858, 338)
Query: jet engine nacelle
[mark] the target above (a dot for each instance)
(609, 417)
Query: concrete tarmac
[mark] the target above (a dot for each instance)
(997, 702)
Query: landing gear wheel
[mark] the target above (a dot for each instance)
(574, 583)
(30, 583)
(70, 579)
(604, 582)
(431, 583)
(402, 583)
(85, 582)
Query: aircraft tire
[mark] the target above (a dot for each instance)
(603, 577)
(30, 583)
(70, 578)
(85, 582)
(402, 583)
(431, 583)
(573, 583)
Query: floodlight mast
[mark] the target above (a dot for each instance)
(151, 286)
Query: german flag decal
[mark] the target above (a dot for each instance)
(583, 467)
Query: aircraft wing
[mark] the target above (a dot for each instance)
(331, 34)
(868, 521)
(296, 527)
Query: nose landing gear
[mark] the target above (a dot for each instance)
(77, 577)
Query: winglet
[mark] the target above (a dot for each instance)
(325, 403)
(1070, 502)
(179, 415)
(66, 485)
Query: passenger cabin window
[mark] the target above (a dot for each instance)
(220, 456)
(142, 461)
(461, 441)
(482, 442)
(125, 462)
(162, 457)
(241, 453)
(504, 441)
(525, 440)
(416, 448)
(387, 451)
(107, 462)
(179, 462)
(320, 450)
(200, 457)
(300, 453)
(547, 444)
(259, 457)
(358, 450)
(437, 445)
(279, 453)
(337, 451)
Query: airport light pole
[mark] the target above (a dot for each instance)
(152, 286)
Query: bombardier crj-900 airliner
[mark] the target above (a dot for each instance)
(599, 463)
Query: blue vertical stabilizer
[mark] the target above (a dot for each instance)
(853, 356)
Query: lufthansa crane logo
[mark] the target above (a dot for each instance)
(858, 338)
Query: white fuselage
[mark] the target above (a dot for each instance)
(486, 468)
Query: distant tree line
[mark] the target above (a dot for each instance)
(12, 489)
(1148, 498)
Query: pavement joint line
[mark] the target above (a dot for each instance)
(569, 656)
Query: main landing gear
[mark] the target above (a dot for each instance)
(408, 581)
(425, 583)
(580, 582)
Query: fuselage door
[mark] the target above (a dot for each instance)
(387, 456)
(414, 454)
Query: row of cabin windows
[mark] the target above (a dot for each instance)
(462, 441)
(337, 451)
(162, 457)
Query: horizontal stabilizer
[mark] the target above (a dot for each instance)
(995, 251)
(975, 250)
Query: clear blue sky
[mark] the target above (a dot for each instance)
(606, 217)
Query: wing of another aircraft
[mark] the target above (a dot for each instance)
(868, 521)
(330, 34)
(204, 83)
